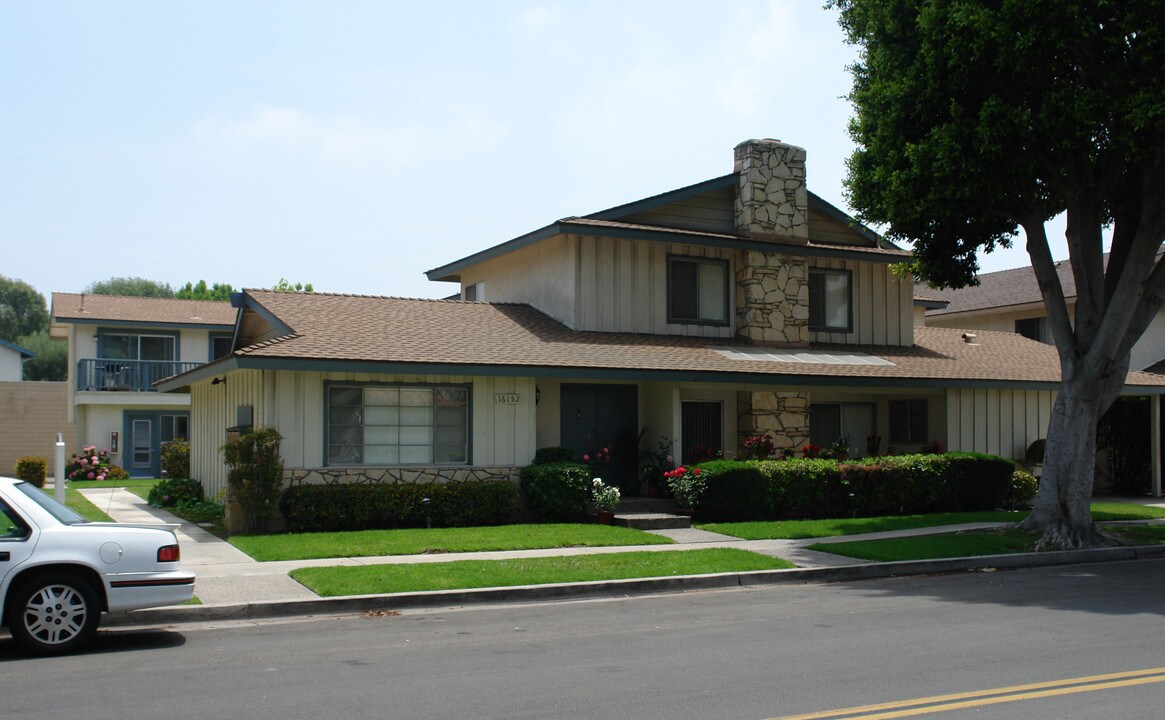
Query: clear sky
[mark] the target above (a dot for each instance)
(356, 144)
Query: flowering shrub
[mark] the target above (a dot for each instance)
(812, 451)
(657, 462)
(606, 497)
(89, 464)
(686, 485)
(596, 460)
(758, 447)
(934, 447)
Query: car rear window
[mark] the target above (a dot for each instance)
(64, 515)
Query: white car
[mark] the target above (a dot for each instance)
(59, 571)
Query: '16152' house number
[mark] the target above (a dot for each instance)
(508, 398)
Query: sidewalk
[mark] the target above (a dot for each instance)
(231, 584)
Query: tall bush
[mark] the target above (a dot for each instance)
(176, 459)
(556, 491)
(255, 475)
(733, 490)
(31, 469)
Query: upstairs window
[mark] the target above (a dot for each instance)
(830, 300)
(475, 292)
(117, 346)
(220, 345)
(697, 290)
(1032, 328)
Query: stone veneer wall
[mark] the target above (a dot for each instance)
(772, 205)
(783, 416)
(772, 200)
(396, 475)
(772, 298)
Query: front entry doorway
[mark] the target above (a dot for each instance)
(604, 416)
(146, 432)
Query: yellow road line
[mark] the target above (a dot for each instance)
(979, 698)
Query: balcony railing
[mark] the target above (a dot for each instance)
(127, 375)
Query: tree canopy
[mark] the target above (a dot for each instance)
(131, 287)
(284, 286)
(22, 310)
(975, 118)
(52, 357)
(200, 291)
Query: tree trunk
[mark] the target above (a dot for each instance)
(1062, 509)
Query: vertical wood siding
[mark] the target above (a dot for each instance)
(622, 287)
(883, 305)
(293, 403)
(1000, 422)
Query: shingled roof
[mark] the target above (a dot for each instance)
(380, 334)
(90, 308)
(1005, 288)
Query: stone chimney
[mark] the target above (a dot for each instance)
(772, 206)
(772, 202)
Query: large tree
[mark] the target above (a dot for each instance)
(131, 287)
(52, 357)
(22, 309)
(976, 118)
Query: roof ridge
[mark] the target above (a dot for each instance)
(366, 296)
(135, 297)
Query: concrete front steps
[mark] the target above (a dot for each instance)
(642, 513)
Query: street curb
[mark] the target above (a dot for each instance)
(619, 588)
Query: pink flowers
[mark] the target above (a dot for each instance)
(89, 464)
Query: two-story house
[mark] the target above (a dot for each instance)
(740, 305)
(1010, 301)
(118, 348)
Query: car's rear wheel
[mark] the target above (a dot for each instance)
(53, 613)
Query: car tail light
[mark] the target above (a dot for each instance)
(168, 553)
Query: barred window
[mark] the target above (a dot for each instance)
(397, 425)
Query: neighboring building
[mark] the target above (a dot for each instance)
(1010, 301)
(12, 359)
(739, 305)
(118, 348)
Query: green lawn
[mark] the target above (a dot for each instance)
(970, 544)
(138, 486)
(80, 504)
(367, 543)
(798, 529)
(465, 574)
(928, 547)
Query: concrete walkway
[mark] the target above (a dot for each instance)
(229, 578)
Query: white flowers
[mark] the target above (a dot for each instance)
(606, 496)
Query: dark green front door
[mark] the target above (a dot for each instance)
(595, 417)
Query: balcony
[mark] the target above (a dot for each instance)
(127, 375)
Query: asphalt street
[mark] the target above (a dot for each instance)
(951, 646)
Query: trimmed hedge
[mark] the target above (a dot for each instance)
(331, 508)
(819, 488)
(733, 491)
(557, 491)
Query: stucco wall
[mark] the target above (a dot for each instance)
(32, 415)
